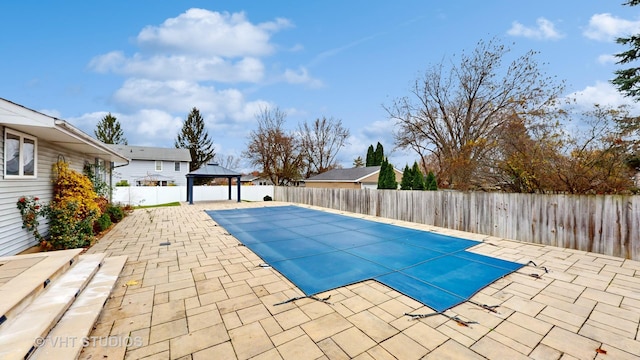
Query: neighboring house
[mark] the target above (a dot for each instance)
(354, 178)
(254, 179)
(152, 166)
(31, 143)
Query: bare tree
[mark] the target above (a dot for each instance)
(227, 161)
(275, 150)
(456, 112)
(595, 157)
(320, 142)
(526, 156)
(591, 158)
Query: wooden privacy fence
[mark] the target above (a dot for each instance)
(605, 224)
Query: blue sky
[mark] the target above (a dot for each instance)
(150, 62)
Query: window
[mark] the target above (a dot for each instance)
(20, 155)
(176, 166)
(158, 165)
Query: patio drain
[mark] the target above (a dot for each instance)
(165, 243)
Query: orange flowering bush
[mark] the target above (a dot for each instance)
(71, 213)
(71, 186)
(73, 209)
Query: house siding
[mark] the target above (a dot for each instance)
(138, 169)
(333, 185)
(13, 238)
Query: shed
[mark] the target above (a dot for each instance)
(212, 171)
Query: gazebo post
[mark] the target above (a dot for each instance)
(229, 182)
(238, 181)
(190, 190)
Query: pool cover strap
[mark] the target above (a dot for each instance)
(324, 300)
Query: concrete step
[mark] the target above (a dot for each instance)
(67, 338)
(20, 336)
(24, 277)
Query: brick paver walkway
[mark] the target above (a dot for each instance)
(205, 297)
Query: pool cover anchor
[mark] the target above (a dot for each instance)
(490, 308)
(539, 267)
(537, 276)
(324, 300)
(454, 318)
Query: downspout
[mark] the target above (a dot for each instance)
(111, 178)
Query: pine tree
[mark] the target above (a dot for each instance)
(387, 176)
(108, 131)
(357, 162)
(370, 156)
(407, 177)
(378, 156)
(194, 137)
(417, 182)
(431, 182)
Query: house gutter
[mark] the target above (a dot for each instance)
(77, 133)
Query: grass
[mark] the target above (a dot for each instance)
(175, 203)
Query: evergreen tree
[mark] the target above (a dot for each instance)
(417, 182)
(357, 162)
(387, 176)
(431, 182)
(108, 131)
(627, 81)
(370, 156)
(194, 137)
(378, 156)
(407, 177)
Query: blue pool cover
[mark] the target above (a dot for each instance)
(320, 251)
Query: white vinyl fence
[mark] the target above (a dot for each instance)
(155, 195)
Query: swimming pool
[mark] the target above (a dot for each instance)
(320, 251)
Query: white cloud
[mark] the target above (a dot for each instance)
(200, 31)
(181, 96)
(166, 67)
(181, 64)
(606, 27)
(602, 93)
(301, 76)
(545, 30)
(108, 62)
(154, 124)
(607, 59)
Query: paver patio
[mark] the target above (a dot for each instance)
(204, 296)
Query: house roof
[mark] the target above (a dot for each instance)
(213, 171)
(345, 175)
(152, 153)
(53, 130)
(248, 178)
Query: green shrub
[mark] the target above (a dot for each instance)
(102, 224)
(66, 230)
(116, 213)
(122, 183)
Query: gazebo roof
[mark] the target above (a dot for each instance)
(213, 171)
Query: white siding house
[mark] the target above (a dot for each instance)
(152, 166)
(31, 143)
